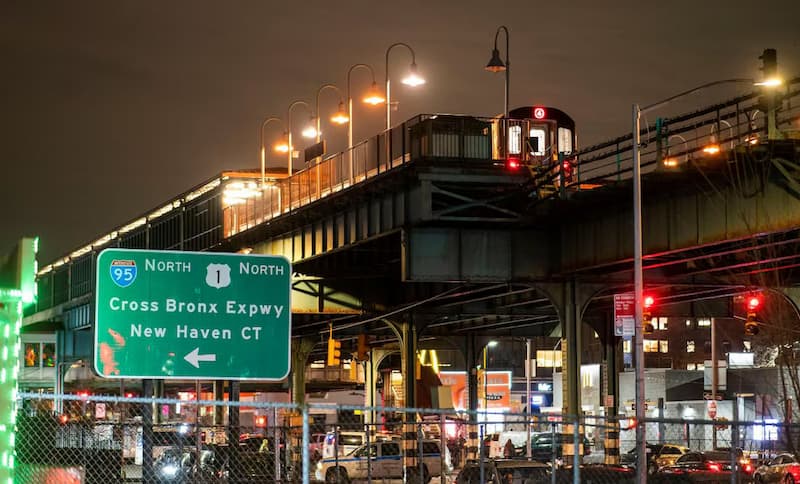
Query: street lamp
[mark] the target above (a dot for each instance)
(497, 65)
(412, 79)
(373, 97)
(263, 149)
(306, 131)
(638, 278)
(340, 117)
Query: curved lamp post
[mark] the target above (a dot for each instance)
(412, 79)
(263, 149)
(340, 117)
(373, 97)
(638, 278)
(306, 132)
(495, 64)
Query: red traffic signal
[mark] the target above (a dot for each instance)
(649, 301)
(83, 394)
(753, 303)
(261, 421)
(513, 164)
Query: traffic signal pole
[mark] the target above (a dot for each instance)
(714, 376)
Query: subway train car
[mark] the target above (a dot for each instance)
(535, 136)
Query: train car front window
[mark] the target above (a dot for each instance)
(515, 140)
(536, 141)
(565, 140)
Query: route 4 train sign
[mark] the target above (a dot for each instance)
(192, 315)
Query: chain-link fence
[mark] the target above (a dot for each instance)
(96, 439)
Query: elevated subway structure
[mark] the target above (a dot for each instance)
(419, 235)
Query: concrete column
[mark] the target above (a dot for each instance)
(301, 348)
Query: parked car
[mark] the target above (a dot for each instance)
(783, 468)
(348, 442)
(542, 445)
(709, 466)
(381, 460)
(504, 471)
(629, 459)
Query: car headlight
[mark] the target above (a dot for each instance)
(169, 470)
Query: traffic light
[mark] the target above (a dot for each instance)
(769, 63)
(362, 353)
(647, 316)
(751, 324)
(334, 352)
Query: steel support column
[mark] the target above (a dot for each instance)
(408, 349)
(472, 389)
(612, 367)
(301, 348)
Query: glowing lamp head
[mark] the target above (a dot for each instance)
(711, 149)
(771, 82)
(374, 96)
(495, 64)
(282, 147)
(341, 116)
(670, 162)
(309, 131)
(413, 78)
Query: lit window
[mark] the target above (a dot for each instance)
(537, 141)
(661, 323)
(688, 322)
(651, 346)
(691, 366)
(703, 323)
(746, 345)
(515, 140)
(663, 346)
(548, 358)
(626, 346)
(586, 380)
(690, 346)
(701, 366)
(31, 354)
(565, 140)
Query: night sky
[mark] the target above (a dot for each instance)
(111, 108)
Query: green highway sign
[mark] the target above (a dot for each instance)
(192, 315)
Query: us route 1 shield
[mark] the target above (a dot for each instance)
(192, 315)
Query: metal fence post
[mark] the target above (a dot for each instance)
(306, 454)
(369, 454)
(576, 458)
(482, 450)
(276, 445)
(553, 452)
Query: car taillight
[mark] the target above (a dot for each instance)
(713, 467)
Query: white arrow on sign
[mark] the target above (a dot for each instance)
(194, 357)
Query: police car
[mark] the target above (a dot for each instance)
(382, 460)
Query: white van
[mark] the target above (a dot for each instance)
(348, 442)
(497, 442)
(381, 460)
